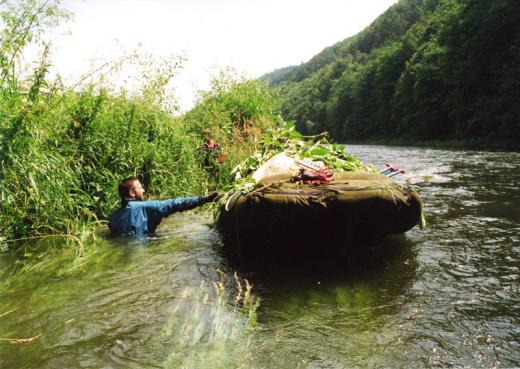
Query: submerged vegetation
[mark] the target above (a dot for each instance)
(214, 320)
(63, 149)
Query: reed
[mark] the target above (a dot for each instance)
(63, 149)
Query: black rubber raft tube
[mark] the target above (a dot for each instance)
(280, 219)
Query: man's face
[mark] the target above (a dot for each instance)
(137, 191)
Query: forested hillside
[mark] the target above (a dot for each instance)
(444, 70)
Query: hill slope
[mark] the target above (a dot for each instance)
(425, 69)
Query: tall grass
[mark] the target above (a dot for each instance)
(236, 112)
(64, 150)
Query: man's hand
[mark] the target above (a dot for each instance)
(212, 196)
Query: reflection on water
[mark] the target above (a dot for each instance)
(446, 296)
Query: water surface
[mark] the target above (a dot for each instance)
(446, 296)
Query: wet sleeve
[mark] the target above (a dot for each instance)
(167, 207)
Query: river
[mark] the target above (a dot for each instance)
(444, 296)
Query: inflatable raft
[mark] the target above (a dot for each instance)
(282, 218)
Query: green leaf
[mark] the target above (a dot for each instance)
(319, 151)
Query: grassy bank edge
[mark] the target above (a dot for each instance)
(451, 144)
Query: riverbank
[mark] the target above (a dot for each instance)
(467, 144)
(64, 154)
(64, 148)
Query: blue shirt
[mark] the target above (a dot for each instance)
(141, 217)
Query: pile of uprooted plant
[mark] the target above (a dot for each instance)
(285, 139)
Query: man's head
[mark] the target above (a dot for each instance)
(206, 134)
(131, 189)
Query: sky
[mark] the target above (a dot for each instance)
(253, 37)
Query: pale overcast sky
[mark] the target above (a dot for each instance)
(252, 36)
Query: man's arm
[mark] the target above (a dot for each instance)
(164, 208)
(167, 207)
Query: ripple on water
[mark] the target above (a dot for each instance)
(449, 295)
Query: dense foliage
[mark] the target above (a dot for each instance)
(236, 113)
(424, 70)
(63, 150)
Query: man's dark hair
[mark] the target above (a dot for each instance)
(125, 186)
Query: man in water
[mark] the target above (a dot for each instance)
(139, 217)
